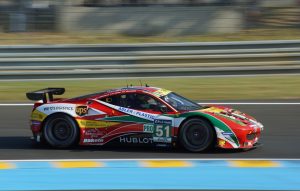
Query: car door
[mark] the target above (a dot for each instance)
(148, 113)
(162, 125)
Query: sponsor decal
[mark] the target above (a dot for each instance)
(93, 140)
(81, 110)
(59, 108)
(95, 124)
(126, 110)
(136, 140)
(227, 136)
(136, 113)
(227, 133)
(94, 132)
(145, 115)
(148, 128)
(38, 116)
(162, 121)
(162, 139)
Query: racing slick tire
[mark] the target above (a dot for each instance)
(60, 131)
(196, 135)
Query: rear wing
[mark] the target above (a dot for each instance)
(42, 94)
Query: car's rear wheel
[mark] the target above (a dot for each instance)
(61, 131)
(196, 135)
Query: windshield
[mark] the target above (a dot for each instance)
(180, 103)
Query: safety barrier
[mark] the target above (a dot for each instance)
(152, 59)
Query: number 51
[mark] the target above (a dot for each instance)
(162, 131)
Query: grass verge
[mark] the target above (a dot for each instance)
(87, 38)
(208, 88)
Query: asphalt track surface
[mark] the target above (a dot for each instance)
(280, 139)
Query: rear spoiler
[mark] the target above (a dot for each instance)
(42, 94)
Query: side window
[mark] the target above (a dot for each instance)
(141, 101)
(144, 102)
(135, 101)
(119, 100)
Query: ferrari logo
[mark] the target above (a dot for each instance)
(222, 143)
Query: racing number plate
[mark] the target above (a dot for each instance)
(162, 128)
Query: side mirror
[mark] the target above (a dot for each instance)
(163, 108)
(89, 102)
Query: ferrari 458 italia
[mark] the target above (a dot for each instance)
(139, 116)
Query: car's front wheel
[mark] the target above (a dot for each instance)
(196, 135)
(60, 131)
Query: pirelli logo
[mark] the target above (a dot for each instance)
(81, 110)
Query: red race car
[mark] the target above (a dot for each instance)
(141, 116)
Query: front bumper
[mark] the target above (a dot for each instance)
(247, 138)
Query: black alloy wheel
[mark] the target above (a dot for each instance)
(61, 130)
(196, 135)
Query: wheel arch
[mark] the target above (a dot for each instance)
(199, 116)
(59, 113)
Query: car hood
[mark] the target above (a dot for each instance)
(232, 115)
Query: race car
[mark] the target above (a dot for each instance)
(139, 115)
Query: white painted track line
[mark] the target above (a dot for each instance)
(147, 77)
(202, 103)
(16, 104)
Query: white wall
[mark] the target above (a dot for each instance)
(150, 20)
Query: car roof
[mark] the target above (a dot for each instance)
(143, 88)
(148, 89)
